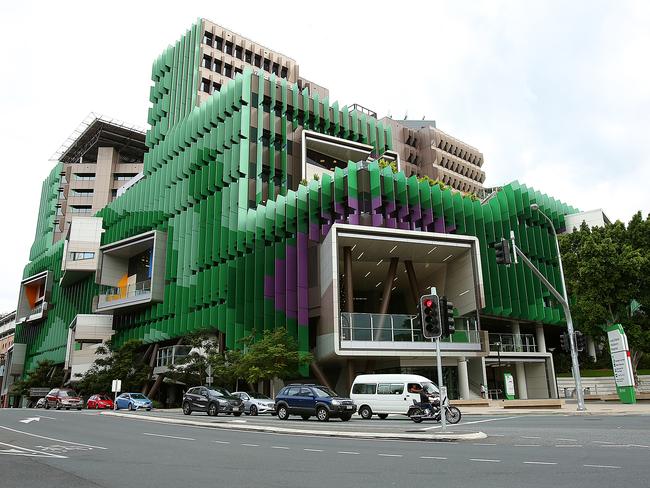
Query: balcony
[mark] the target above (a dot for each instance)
(33, 298)
(171, 356)
(120, 295)
(132, 272)
(394, 331)
(512, 343)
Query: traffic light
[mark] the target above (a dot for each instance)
(502, 249)
(430, 316)
(564, 342)
(581, 341)
(447, 317)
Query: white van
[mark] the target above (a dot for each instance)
(383, 394)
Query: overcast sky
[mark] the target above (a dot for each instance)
(555, 94)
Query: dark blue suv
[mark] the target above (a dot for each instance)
(310, 400)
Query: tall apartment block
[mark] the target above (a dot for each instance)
(266, 205)
(425, 150)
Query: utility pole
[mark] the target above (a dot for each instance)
(562, 298)
(443, 419)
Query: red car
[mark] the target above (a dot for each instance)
(63, 398)
(100, 402)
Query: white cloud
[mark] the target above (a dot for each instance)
(555, 94)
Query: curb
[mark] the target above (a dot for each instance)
(437, 437)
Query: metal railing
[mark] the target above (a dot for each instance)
(393, 328)
(37, 309)
(121, 292)
(513, 342)
(170, 355)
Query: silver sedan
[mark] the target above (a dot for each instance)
(256, 403)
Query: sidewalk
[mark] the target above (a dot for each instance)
(569, 408)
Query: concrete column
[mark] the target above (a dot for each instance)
(413, 282)
(107, 159)
(463, 379)
(388, 286)
(539, 338)
(520, 372)
(347, 269)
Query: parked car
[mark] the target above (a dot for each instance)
(310, 400)
(383, 394)
(63, 398)
(133, 401)
(211, 400)
(99, 402)
(256, 403)
(40, 403)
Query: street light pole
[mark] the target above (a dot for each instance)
(567, 312)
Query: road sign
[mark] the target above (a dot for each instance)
(209, 380)
(116, 386)
(622, 364)
(509, 383)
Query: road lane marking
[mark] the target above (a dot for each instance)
(251, 445)
(169, 436)
(279, 447)
(543, 463)
(24, 451)
(50, 438)
(390, 455)
(568, 445)
(440, 458)
(347, 452)
(600, 466)
(486, 460)
(603, 442)
(497, 435)
(313, 450)
(527, 445)
(566, 440)
(477, 422)
(530, 437)
(222, 442)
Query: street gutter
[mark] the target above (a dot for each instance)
(432, 437)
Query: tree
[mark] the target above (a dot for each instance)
(45, 375)
(275, 355)
(125, 363)
(607, 271)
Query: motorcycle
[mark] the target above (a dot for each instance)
(418, 413)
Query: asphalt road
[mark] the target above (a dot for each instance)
(83, 449)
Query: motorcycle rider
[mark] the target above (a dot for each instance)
(425, 403)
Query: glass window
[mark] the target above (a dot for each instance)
(83, 176)
(248, 56)
(384, 389)
(80, 256)
(138, 396)
(128, 176)
(207, 39)
(217, 66)
(260, 396)
(218, 43)
(305, 392)
(258, 60)
(284, 72)
(293, 391)
(267, 64)
(228, 49)
(227, 70)
(364, 389)
(238, 52)
(396, 388)
(80, 209)
(322, 391)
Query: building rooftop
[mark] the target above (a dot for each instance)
(99, 131)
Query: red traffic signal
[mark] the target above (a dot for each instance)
(430, 316)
